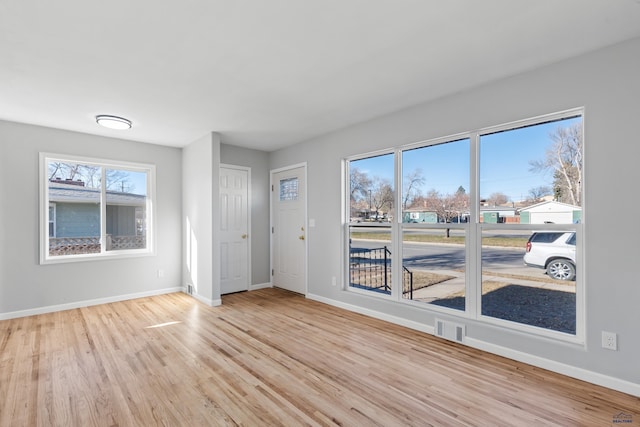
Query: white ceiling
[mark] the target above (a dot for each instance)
(269, 73)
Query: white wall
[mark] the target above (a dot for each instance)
(26, 286)
(258, 161)
(200, 216)
(606, 83)
(3, 155)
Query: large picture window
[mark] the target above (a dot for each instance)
(371, 210)
(94, 208)
(435, 211)
(486, 225)
(530, 206)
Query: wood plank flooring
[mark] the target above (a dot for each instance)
(270, 357)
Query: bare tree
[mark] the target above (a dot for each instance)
(118, 180)
(382, 196)
(91, 176)
(460, 202)
(497, 199)
(360, 183)
(564, 158)
(447, 206)
(359, 187)
(412, 183)
(537, 193)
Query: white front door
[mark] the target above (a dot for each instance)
(288, 228)
(234, 229)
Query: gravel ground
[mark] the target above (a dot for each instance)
(545, 308)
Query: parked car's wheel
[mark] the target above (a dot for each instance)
(561, 269)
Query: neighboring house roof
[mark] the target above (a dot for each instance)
(505, 209)
(70, 193)
(551, 205)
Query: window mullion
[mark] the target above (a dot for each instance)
(396, 231)
(103, 210)
(346, 213)
(473, 253)
(150, 214)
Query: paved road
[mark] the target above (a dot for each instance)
(433, 256)
(449, 259)
(430, 255)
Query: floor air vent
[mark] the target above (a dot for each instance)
(450, 331)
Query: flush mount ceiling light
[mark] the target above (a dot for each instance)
(113, 122)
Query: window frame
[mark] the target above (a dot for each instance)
(392, 226)
(465, 227)
(473, 231)
(44, 220)
(52, 222)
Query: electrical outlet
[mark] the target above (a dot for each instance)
(160, 274)
(333, 281)
(609, 340)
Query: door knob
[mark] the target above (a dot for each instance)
(301, 237)
(244, 236)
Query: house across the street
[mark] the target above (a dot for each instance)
(551, 212)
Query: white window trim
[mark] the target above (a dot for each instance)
(474, 229)
(52, 205)
(149, 250)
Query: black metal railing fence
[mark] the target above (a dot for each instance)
(371, 269)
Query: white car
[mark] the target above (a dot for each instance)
(554, 251)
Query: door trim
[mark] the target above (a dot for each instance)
(302, 165)
(248, 170)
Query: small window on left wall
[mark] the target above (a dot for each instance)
(94, 208)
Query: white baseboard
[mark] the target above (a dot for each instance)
(375, 314)
(87, 303)
(207, 301)
(560, 368)
(260, 286)
(217, 302)
(551, 365)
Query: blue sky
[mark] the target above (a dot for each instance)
(136, 182)
(505, 156)
(504, 162)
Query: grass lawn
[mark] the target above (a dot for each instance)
(422, 279)
(506, 242)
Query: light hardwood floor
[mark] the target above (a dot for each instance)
(270, 357)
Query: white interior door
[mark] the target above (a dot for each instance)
(234, 230)
(289, 234)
